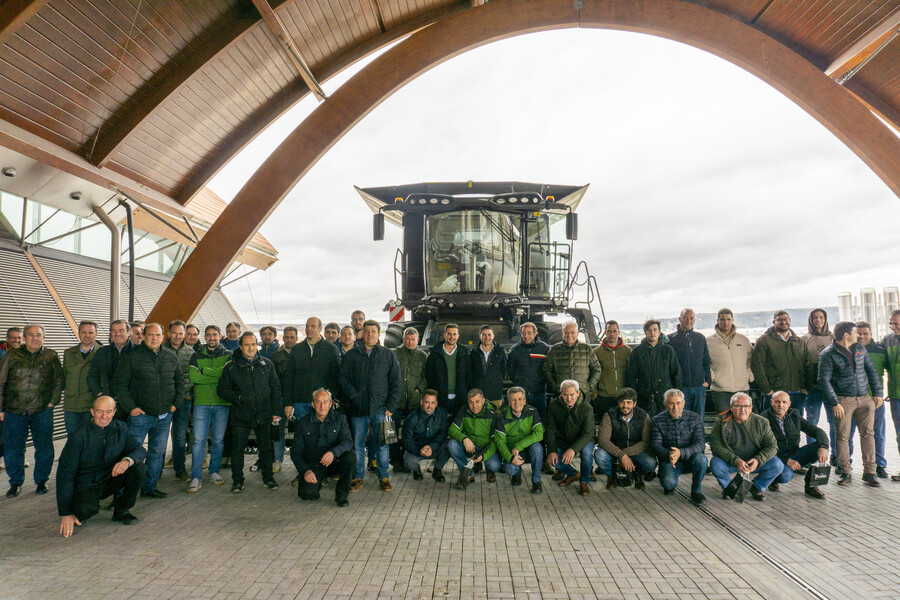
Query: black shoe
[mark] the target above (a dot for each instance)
(881, 472)
(757, 494)
(13, 491)
(342, 502)
(649, 476)
(834, 461)
(871, 480)
(478, 467)
(638, 483)
(153, 494)
(237, 487)
(773, 486)
(182, 476)
(537, 487)
(125, 518)
(401, 468)
(41, 488)
(417, 474)
(814, 492)
(668, 492)
(271, 484)
(559, 476)
(845, 479)
(516, 480)
(438, 476)
(697, 498)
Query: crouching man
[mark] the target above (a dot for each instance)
(625, 438)
(786, 424)
(425, 436)
(323, 448)
(98, 460)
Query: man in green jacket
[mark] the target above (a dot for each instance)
(210, 411)
(518, 432)
(570, 431)
(78, 400)
(743, 442)
(571, 359)
(412, 372)
(891, 345)
(612, 355)
(781, 361)
(471, 439)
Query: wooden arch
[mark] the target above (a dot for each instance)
(679, 20)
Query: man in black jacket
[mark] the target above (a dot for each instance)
(447, 370)
(323, 448)
(786, 424)
(652, 369)
(149, 386)
(98, 460)
(314, 364)
(103, 367)
(525, 365)
(371, 385)
(693, 358)
(249, 383)
(425, 436)
(487, 365)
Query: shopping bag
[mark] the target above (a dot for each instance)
(739, 487)
(388, 434)
(818, 474)
(622, 477)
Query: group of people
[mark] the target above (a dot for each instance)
(355, 406)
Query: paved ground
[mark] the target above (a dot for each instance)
(426, 540)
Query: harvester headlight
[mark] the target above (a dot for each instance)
(513, 200)
(500, 200)
(433, 201)
(445, 201)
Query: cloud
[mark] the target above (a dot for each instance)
(708, 187)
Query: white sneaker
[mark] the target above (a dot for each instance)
(195, 486)
(276, 466)
(217, 479)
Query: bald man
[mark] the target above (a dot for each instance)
(99, 459)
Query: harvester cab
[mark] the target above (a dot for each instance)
(474, 253)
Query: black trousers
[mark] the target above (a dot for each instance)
(86, 502)
(343, 466)
(239, 435)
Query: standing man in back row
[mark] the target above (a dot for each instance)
(78, 400)
(525, 367)
(487, 364)
(613, 355)
(781, 361)
(729, 361)
(653, 370)
(447, 370)
(571, 359)
(693, 357)
(181, 418)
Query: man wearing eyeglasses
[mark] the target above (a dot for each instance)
(743, 442)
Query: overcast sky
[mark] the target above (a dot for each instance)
(708, 188)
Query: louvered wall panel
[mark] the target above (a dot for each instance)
(84, 290)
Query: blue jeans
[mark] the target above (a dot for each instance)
(587, 463)
(208, 421)
(180, 420)
(806, 455)
(880, 432)
(695, 399)
(668, 475)
(156, 430)
(459, 455)
(278, 444)
(15, 432)
(363, 427)
(74, 420)
(815, 399)
(533, 454)
(765, 474)
(643, 462)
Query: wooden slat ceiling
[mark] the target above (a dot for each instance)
(165, 92)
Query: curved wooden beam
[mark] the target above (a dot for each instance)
(679, 20)
(214, 40)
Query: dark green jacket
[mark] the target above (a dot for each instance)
(29, 382)
(576, 362)
(613, 362)
(184, 354)
(519, 432)
(569, 428)
(477, 427)
(412, 371)
(759, 431)
(205, 371)
(891, 346)
(77, 366)
(780, 365)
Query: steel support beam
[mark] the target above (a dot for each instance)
(680, 20)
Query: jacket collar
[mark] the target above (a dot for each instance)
(616, 347)
(215, 353)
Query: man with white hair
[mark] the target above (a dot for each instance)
(570, 432)
(678, 441)
(743, 442)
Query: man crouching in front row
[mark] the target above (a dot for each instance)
(322, 448)
(99, 459)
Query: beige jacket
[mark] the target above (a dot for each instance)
(729, 357)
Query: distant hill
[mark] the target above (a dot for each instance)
(747, 320)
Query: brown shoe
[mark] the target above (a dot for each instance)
(386, 485)
(491, 477)
(816, 493)
(356, 485)
(593, 477)
(568, 481)
(610, 482)
(584, 490)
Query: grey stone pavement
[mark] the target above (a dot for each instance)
(427, 540)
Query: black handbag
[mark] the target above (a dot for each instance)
(738, 488)
(818, 474)
(622, 477)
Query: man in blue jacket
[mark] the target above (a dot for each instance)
(425, 436)
(371, 386)
(846, 374)
(693, 357)
(678, 441)
(525, 366)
